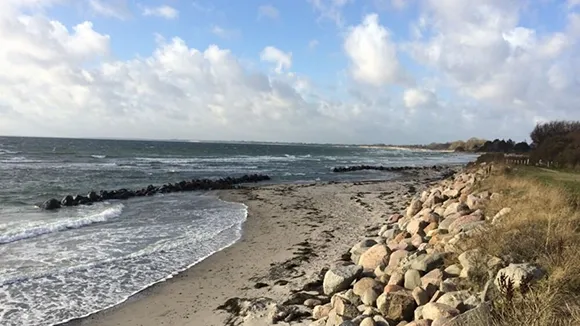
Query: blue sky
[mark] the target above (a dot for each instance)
(303, 70)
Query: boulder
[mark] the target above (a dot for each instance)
(461, 221)
(422, 322)
(518, 274)
(397, 278)
(339, 278)
(455, 299)
(358, 249)
(321, 311)
(420, 296)
(453, 270)
(93, 196)
(366, 283)
(434, 277)
(397, 306)
(67, 201)
(369, 297)
(51, 204)
(412, 279)
(415, 226)
(448, 285)
(368, 321)
(427, 262)
(446, 223)
(374, 256)
(460, 208)
(415, 207)
(501, 214)
(393, 288)
(380, 321)
(345, 308)
(311, 303)
(434, 311)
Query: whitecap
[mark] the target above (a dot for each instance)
(35, 229)
(99, 156)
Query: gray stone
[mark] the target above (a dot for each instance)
(358, 249)
(412, 279)
(446, 223)
(448, 285)
(397, 306)
(420, 296)
(380, 320)
(321, 311)
(427, 262)
(369, 297)
(339, 278)
(368, 321)
(435, 311)
(311, 303)
(419, 313)
(414, 207)
(518, 273)
(455, 299)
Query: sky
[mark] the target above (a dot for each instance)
(329, 71)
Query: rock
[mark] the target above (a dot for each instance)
(412, 279)
(476, 264)
(395, 258)
(418, 313)
(416, 240)
(321, 311)
(460, 208)
(311, 303)
(436, 296)
(374, 256)
(434, 311)
(472, 302)
(427, 262)
(495, 196)
(358, 249)
(390, 234)
(480, 315)
(67, 201)
(518, 274)
(334, 319)
(93, 196)
(397, 278)
(392, 288)
(416, 226)
(351, 297)
(434, 277)
(462, 221)
(501, 214)
(366, 283)
(446, 223)
(448, 285)
(453, 270)
(380, 321)
(414, 207)
(368, 321)
(51, 204)
(420, 296)
(348, 323)
(422, 322)
(369, 297)
(339, 278)
(396, 306)
(319, 322)
(345, 308)
(394, 218)
(455, 299)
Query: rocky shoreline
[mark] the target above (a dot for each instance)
(417, 267)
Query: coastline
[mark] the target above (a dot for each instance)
(291, 232)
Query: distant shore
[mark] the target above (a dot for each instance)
(292, 232)
(404, 148)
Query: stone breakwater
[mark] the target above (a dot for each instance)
(123, 194)
(342, 169)
(419, 269)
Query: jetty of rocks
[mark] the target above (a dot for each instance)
(353, 168)
(123, 194)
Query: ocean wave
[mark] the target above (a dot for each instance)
(99, 156)
(35, 230)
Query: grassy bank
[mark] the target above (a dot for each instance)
(543, 228)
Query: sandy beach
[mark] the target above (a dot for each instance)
(292, 232)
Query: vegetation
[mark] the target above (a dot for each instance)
(542, 228)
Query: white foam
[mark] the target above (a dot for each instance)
(98, 156)
(35, 229)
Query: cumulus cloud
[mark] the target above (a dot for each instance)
(372, 54)
(225, 33)
(330, 9)
(166, 12)
(282, 59)
(268, 11)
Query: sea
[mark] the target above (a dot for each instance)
(60, 265)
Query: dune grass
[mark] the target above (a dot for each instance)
(543, 228)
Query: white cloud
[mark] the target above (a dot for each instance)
(415, 98)
(330, 9)
(268, 11)
(166, 12)
(225, 33)
(111, 8)
(399, 4)
(313, 44)
(573, 3)
(372, 54)
(282, 60)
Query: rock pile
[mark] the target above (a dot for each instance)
(382, 168)
(417, 270)
(122, 194)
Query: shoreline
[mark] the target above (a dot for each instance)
(281, 219)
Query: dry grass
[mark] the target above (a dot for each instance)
(543, 228)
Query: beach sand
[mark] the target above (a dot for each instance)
(291, 233)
